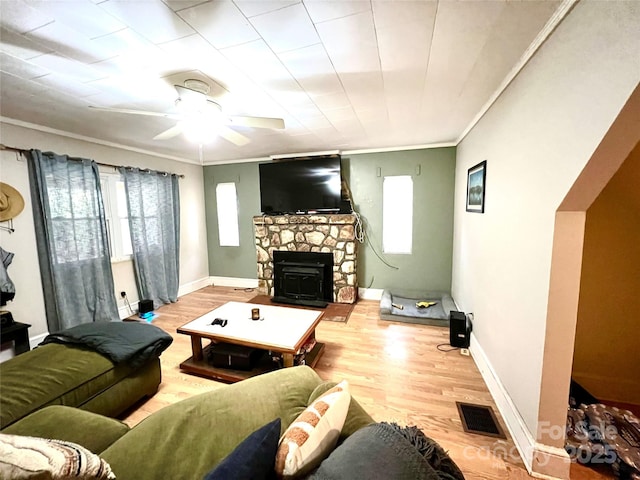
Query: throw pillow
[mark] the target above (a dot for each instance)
(253, 459)
(31, 458)
(314, 433)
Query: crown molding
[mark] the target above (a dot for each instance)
(329, 152)
(281, 156)
(209, 163)
(425, 146)
(63, 133)
(559, 15)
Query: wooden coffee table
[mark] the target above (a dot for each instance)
(281, 330)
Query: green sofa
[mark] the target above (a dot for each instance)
(187, 439)
(56, 374)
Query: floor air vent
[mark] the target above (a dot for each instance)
(479, 419)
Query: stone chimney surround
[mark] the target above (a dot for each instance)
(332, 233)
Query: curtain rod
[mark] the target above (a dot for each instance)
(22, 151)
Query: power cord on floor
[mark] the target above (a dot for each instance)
(245, 289)
(439, 347)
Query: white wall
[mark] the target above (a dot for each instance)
(536, 139)
(28, 305)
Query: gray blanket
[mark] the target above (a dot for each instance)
(132, 342)
(388, 452)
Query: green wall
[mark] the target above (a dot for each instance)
(239, 261)
(427, 268)
(429, 265)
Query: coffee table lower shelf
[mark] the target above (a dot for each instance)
(204, 369)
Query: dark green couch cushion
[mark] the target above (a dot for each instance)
(124, 393)
(54, 375)
(187, 439)
(94, 432)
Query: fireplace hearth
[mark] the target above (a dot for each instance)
(303, 278)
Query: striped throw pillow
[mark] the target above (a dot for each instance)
(314, 434)
(23, 458)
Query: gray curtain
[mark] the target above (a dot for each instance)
(154, 221)
(72, 241)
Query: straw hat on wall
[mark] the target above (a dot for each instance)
(11, 202)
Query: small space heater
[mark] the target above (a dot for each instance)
(459, 329)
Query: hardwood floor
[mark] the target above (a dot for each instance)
(394, 370)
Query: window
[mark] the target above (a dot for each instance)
(115, 208)
(227, 205)
(397, 214)
(73, 213)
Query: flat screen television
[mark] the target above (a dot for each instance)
(300, 186)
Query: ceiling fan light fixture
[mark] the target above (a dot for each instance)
(202, 120)
(197, 85)
(197, 131)
(190, 106)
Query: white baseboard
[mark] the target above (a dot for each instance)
(7, 349)
(370, 293)
(193, 286)
(363, 293)
(550, 463)
(37, 340)
(520, 434)
(541, 461)
(124, 312)
(184, 289)
(234, 282)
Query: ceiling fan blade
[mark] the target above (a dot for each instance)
(134, 112)
(257, 122)
(170, 133)
(234, 137)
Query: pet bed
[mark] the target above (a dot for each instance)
(400, 306)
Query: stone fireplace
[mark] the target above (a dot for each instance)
(333, 234)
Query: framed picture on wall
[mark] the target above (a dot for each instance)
(476, 178)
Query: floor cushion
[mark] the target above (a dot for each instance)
(400, 306)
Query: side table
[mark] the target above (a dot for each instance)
(18, 333)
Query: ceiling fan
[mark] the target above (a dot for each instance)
(200, 118)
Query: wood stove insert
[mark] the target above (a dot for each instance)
(303, 278)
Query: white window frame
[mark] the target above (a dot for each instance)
(227, 210)
(397, 214)
(119, 246)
